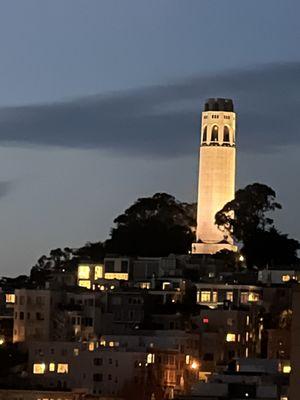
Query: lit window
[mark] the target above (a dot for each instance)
(187, 359)
(253, 297)
(166, 285)
(145, 285)
(91, 346)
(62, 368)
(215, 297)
(247, 320)
(83, 272)
(150, 358)
(229, 296)
(98, 272)
(51, 367)
(286, 278)
(111, 344)
(39, 368)
(84, 283)
(10, 298)
(116, 275)
(247, 352)
(247, 336)
(102, 343)
(76, 352)
(230, 337)
(286, 369)
(244, 297)
(205, 296)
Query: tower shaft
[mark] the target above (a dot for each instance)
(217, 168)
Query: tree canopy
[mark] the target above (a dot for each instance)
(248, 218)
(154, 226)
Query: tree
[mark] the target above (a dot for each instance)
(247, 212)
(247, 218)
(154, 226)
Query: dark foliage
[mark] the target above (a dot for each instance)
(154, 226)
(247, 217)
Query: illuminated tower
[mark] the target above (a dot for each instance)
(216, 184)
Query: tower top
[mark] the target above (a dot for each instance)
(219, 104)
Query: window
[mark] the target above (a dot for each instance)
(62, 368)
(286, 369)
(39, 316)
(10, 298)
(230, 337)
(84, 283)
(98, 272)
(124, 266)
(21, 315)
(215, 134)
(98, 377)
(229, 296)
(98, 361)
(91, 346)
(116, 275)
(205, 296)
(204, 135)
(253, 297)
(109, 377)
(244, 297)
(226, 134)
(109, 266)
(286, 278)
(215, 297)
(83, 272)
(39, 368)
(166, 285)
(145, 285)
(150, 358)
(52, 367)
(76, 352)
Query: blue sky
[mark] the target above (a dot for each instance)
(100, 103)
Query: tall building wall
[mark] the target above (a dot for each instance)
(217, 170)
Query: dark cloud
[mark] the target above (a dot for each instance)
(164, 120)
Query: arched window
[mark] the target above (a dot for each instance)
(204, 135)
(214, 133)
(226, 134)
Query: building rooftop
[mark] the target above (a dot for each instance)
(219, 104)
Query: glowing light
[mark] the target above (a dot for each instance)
(62, 368)
(241, 258)
(286, 369)
(51, 367)
(194, 365)
(39, 368)
(230, 337)
(10, 298)
(83, 272)
(2, 341)
(84, 283)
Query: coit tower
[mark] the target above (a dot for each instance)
(216, 185)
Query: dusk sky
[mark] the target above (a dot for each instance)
(100, 104)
